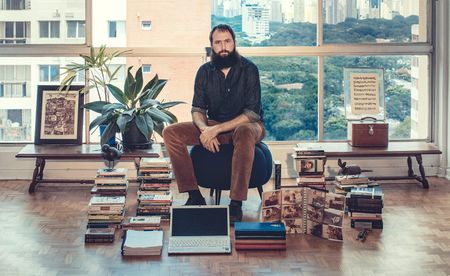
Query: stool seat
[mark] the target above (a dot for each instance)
(213, 170)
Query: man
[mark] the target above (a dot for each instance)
(226, 108)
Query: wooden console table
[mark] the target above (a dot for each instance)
(74, 152)
(394, 149)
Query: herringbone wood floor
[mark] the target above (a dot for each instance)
(43, 235)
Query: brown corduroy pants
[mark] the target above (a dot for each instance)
(244, 138)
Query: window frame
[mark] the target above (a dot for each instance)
(49, 28)
(77, 29)
(320, 51)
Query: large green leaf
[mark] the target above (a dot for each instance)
(158, 115)
(96, 106)
(129, 85)
(154, 92)
(149, 102)
(151, 83)
(171, 115)
(149, 122)
(141, 123)
(139, 82)
(159, 127)
(118, 94)
(110, 131)
(170, 104)
(109, 108)
(99, 120)
(123, 120)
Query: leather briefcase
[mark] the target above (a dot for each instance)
(369, 134)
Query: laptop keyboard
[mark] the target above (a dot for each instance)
(199, 243)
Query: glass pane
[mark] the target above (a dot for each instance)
(54, 73)
(14, 125)
(43, 29)
(20, 29)
(54, 29)
(81, 29)
(289, 97)
(405, 82)
(374, 21)
(43, 73)
(9, 29)
(268, 23)
(112, 28)
(37, 29)
(71, 29)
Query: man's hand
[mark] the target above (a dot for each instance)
(208, 138)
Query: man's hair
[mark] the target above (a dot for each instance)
(222, 28)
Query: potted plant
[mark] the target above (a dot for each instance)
(136, 114)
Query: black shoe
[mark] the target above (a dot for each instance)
(195, 201)
(235, 213)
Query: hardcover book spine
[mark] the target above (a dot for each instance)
(277, 174)
(305, 209)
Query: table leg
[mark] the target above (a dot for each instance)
(37, 173)
(410, 169)
(422, 177)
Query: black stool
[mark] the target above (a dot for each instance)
(213, 170)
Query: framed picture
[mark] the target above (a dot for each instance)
(59, 115)
(364, 93)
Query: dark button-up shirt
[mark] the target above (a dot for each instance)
(223, 99)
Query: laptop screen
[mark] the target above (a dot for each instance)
(199, 221)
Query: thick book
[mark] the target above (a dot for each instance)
(366, 192)
(305, 210)
(259, 228)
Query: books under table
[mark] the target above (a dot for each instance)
(142, 243)
(365, 206)
(113, 172)
(142, 223)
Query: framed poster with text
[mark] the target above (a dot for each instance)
(364, 93)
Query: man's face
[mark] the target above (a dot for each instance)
(222, 43)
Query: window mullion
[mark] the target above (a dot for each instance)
(320, 98)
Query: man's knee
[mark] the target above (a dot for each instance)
(243, 132)
(171, 131)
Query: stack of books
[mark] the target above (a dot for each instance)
(106, 211)
(142, 223)
(154, 196)
(112, 182)
(99, 235)
(154, 203)
(344, 183)
(142, 243)
(260, 236)
(155, 174)
(309, 162)
(365, 206)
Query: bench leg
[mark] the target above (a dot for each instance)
(422, 177)
(410, 169)
(218, 194)
(38, 174)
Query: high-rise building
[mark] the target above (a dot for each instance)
(299, 11)
(276, 14)
(351, 10)
(255, 21)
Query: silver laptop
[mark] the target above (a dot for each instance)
(199, 229)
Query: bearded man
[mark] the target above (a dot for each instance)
(226, 108)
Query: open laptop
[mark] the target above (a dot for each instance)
(199, 229)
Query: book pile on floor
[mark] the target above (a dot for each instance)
(344, 183)
(309, 162)
(111, 182)
(365, 206)
(142, 243)
(142, 223)
(259, 236)
(154, 195)
(104, 212)
(99, 235)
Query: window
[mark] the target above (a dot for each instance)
(75, 29)
(146, 25)
(49, 29)
(49, 73)
(15, 125)
(14, 32)
(146, 68)
(15, 81)
(12, 5)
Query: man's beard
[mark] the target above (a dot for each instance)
(224, 62)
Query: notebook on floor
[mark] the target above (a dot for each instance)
(199, 229)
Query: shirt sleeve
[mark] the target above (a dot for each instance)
(199, 102)
(252, 107)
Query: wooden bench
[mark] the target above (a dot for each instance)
(74, 152)
(394, 149)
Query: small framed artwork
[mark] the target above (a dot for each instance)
(59, 115)
(364, 93)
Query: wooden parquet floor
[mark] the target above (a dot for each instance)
(43, 235)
